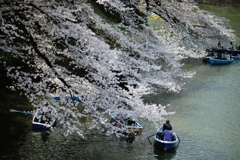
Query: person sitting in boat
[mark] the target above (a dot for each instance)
(120, 118)
(219, 44)
(224, 56)
(43, 118)
(231, 46)
(167, 135)
(167, 125)
(218, 55)
(48, 116)
(130, 122)
(228, 56)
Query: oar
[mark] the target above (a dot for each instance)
(179, 140)
(154, 134)
(149, 137)
(23, 112)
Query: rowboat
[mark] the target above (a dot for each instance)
(67, 98)
(44, 118)
(216, 61)
(127, 123)
(235, 54)
(166, 145)
(218, 57)
(237, 57)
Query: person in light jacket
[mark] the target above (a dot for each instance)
(167, 135)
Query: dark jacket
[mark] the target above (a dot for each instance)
(167, 126)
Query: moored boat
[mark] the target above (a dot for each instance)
(217, 61)
(166, 145)
(237, 57)
(127, 123)
(44, 118)
(67, 98)
(219, 57)
(235, 54)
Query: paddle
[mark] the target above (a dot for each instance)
(179, 140)
(150, 136)
(154, 134)
(23, 112)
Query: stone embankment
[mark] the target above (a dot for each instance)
(220, 2)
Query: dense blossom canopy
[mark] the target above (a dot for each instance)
(103, 52)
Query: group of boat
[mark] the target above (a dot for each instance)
(45, 119)
(221, 56)
(134, 126)
(46, 116)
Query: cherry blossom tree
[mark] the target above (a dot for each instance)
(103, 52)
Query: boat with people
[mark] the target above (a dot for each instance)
(217, 53)
(218, 57)
(44, 118)
(235, 54)
(128, 123)
(165, 145)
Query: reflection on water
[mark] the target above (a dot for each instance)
(160, 154)
(96, 146)
(13, 126)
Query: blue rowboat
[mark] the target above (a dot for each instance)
(44, 118)
(123, 122)
(235, 54)
(215, 53)
(67, 98)
(237, 57)
(220, 61)
(166, 145)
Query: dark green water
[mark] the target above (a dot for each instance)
(13, 126)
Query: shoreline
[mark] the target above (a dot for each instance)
(222, 4)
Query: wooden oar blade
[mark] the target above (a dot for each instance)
(12, 110)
